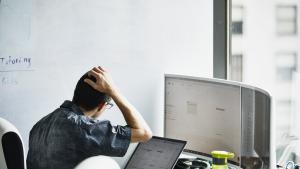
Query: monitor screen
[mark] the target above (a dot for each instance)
(205, 113)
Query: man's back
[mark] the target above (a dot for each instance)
(65, 137)
(70, 134)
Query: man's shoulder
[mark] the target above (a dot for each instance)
(57, 115)
(46, 119)
(66, 117)
(83, 120)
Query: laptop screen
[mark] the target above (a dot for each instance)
(157, 153)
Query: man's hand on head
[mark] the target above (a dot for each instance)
(104, 82)
(140, 131)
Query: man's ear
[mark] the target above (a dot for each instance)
(101, 105)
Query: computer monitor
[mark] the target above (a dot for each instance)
(216, 114)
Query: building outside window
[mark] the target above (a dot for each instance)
(286, 65)
(237, 20)
(237, 30)
(256, 61)
(285, 139)
(236, 67)
(283, 108)
(286, 19)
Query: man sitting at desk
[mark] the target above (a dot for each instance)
(71, 133)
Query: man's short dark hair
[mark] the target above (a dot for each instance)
(86, 96)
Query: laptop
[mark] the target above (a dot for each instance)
(157, 153)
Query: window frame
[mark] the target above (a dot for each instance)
(221, 37)
(292, 20)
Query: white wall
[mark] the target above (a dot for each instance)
(137, 41)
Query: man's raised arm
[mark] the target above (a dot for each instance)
(140, 131)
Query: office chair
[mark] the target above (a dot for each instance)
(11, 147)
(98, 162)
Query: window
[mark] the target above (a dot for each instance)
(236, 67)
(284, 135)
(237, 20)
(286, 65)
(286, 19)
(261, 57)
(283, 108)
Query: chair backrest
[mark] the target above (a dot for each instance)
(11, 147)
(98, 162)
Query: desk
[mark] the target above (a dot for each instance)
(190, 155)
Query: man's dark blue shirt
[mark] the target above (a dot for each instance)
(66, 137)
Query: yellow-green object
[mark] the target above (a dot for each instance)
(220, 159)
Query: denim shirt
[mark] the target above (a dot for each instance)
(66, 137)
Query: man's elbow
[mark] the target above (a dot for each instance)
(141, 135)
(148, 135)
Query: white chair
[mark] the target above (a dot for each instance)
(98, 162)
(11, 147)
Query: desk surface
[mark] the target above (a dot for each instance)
(190, 155)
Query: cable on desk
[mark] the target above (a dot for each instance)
(290, 163)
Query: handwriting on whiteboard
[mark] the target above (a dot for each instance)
(8, 80)
(15, 63)
(11, 67)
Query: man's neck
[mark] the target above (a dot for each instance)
(89, 114)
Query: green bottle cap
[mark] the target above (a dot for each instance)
(222, 154)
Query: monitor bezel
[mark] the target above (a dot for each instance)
(223, 82)
(205, 80)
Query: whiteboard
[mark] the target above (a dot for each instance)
(45, 46)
